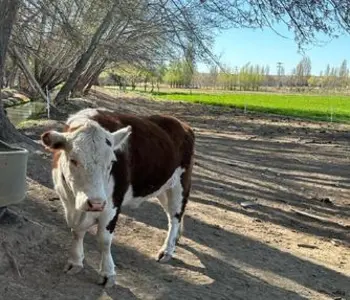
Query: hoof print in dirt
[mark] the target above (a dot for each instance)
(71, 269)
(107, 281)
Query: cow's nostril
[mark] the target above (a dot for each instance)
(95, 205)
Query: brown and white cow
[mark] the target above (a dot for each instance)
(104, 160)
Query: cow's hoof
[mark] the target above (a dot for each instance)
(71, 269)
(164, 256)
(107, 281)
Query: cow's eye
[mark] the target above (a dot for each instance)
(74, 162)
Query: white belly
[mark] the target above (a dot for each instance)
(134, 202)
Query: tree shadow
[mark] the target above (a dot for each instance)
(141, 276)
(287, 219)
(226, 281)
(236, 250)
(299, 182)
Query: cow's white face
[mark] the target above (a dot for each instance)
(86, 161)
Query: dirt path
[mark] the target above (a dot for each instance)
(266, 251)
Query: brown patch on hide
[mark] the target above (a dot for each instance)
(157, 146)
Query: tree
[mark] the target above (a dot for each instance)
(344, 74)
(327, 77)
(188, 66)
(180, 71)
(303, 71)
(334, 77)
(314, 82)
(84, 59)
(213, 76)
(72, 42)
(304, 18)
(48, 37)
(173, 74)
(293, 78)
(226, 78)
(8, 11)
(280, 72)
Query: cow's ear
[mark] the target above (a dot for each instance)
(121, 136)
(54, 140)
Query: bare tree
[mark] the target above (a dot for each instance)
(8, 10)
(303, 71)
(280, 71)
(84, 59)
(344, 74)
(305, 18)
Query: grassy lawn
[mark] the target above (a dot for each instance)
(316, 107)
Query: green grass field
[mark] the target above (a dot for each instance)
(316, 107)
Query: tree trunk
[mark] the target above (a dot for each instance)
(8, 10)
(89, 77)
(12, 76)
(84, 59)
(93, 80)
(27, 72)
(145, 84)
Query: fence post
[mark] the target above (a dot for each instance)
(48, 102)
(331, 114)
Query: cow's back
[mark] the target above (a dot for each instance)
(181, 135)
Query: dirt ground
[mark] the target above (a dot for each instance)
(268, 250)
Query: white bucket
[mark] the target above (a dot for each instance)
(13, 172)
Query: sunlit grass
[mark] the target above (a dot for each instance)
(318, 107)
(324, 107)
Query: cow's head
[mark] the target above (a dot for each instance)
(87, 157)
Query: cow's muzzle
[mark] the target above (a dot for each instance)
(95, 204)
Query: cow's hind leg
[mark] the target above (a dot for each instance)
(173, 202)
(76, 256)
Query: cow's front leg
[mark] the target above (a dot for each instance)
(76, 256)
(104, 236)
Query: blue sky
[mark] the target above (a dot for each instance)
(264, 47)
